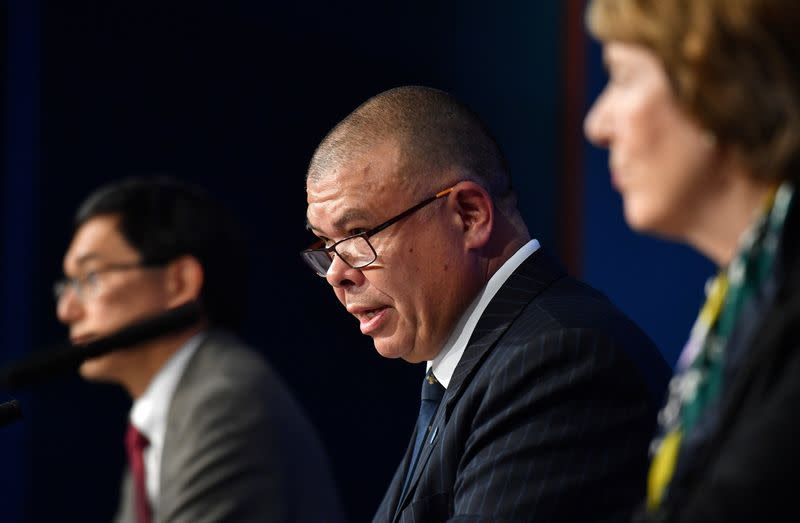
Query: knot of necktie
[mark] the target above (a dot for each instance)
(432, 390)
(135, 440)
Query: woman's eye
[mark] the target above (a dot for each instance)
(621, 75)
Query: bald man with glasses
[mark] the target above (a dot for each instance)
(214, 434)
(539, 397)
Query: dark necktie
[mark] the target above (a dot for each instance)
(432, 393)
(135, 443)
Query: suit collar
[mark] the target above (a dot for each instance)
(532, 277)
(149, 412)
(446, 361)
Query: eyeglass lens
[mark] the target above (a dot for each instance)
(355, 251)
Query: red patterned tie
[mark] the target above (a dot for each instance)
(135, 443)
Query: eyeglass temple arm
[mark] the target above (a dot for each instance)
(412, 210)
(319, 245)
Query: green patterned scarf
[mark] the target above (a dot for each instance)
(698, 380)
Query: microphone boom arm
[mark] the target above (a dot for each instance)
(47, 364)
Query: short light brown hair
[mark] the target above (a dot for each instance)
(734, 66)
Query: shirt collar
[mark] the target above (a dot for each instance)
(444, 364)
(149, 411)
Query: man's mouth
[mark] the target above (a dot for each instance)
(370, 313)
(81, 339)
(370, 320)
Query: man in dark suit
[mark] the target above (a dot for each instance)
(540, 397)
(214, 434)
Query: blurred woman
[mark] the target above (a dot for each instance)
(701, 116)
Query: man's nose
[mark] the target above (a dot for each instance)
(69, 307)
(341, 275)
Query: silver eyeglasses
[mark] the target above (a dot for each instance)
(86, 285)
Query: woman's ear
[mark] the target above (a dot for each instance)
(185, 278)
(475, 212)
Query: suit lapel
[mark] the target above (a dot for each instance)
(533, 276)
(126, 512)
(178, 420)
(430, 443)
(392, 502)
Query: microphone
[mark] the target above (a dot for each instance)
(47, 364)
(10, 412)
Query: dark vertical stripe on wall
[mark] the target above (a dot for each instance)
(21, 151)
(573, 105)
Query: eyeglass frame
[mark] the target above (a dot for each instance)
(315, 247)
(78, 283)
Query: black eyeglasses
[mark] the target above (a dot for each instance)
(355, 250)
(87, 285)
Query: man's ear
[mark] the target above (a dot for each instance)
(184, 280)
(475, 212)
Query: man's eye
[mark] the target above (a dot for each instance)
(90, 278)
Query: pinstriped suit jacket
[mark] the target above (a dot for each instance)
(548, 414)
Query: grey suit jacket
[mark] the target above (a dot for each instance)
(547, 417)
(237, 447)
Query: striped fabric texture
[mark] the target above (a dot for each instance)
(548, 415)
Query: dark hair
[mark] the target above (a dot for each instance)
(733, 66)
(163, 218)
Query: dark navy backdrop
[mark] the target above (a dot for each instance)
(235, 96)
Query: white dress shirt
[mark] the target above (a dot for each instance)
(149, 412)
(444, 364)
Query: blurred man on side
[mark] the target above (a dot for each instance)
(214, 434)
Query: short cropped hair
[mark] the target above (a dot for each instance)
(434, 132)
(163, 218)
(734, 66)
